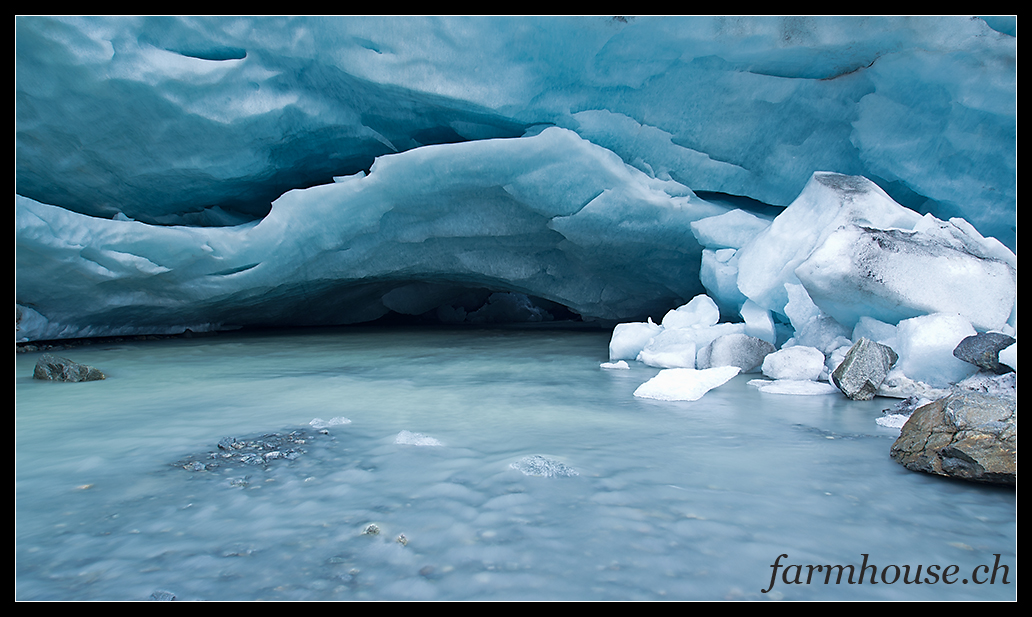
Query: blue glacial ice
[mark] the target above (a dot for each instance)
(550, 216)
(205, 118)
(210, 173)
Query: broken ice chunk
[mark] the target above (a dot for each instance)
(319, 423)
(405, 438)
(925, 346)
(798, 363)
(685, 384)
(700, 311)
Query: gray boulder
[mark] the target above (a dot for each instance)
(967, 435)
(863, 370)
(741, 350)
(55, 368)
(983, 350)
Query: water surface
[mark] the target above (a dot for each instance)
(672, 501)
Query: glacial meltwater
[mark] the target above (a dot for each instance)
(478, 464)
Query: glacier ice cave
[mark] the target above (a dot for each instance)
(415, 237)
(211, 173)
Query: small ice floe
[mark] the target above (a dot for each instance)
(685, 384)
(405, 438)
(542, 466)
(893, 420)
(319, 423)
(799, 387)
(619, 364)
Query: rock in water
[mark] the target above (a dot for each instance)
(864, 369)
(969, 435)
(255, 451)
(56, 368)
(983, 350)
(537, 465)
(741, 350)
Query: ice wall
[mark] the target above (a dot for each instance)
(550, 216)
(186, 143)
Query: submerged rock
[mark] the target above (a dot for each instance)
(983, 350)
(537, 465)
(864, 369)
(55, 368)
(967, 435)
(256, 451)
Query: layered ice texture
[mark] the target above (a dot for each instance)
(550, 216)
(212, 173)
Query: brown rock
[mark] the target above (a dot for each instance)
(968, 435)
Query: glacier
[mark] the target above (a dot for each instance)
(210, 173)
(419, 233)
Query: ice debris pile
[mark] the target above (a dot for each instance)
(845, 291)
(208, 173)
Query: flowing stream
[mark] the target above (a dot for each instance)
(669, 501)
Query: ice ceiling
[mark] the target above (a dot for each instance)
(214, 172)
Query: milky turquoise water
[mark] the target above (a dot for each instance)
(672, 501)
